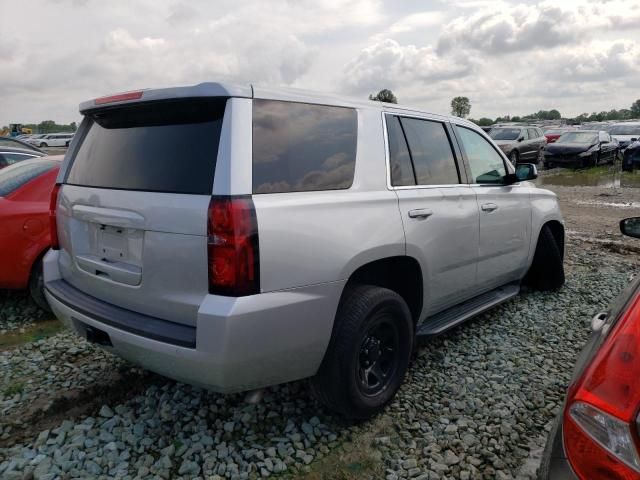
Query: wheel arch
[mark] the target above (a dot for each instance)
(401, 274)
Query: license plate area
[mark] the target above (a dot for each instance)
(112, 244)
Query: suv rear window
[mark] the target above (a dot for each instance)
(15, 176)
(159, 147)
(300, 147)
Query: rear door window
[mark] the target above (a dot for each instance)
(431, 152)
(159, 147)
(299, 147)
(532, 133)
(399, 159)
(15, 176)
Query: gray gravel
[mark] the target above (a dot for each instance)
(17, 311)
(475, 404)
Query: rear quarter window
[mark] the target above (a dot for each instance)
(15, 176)
(299, 147)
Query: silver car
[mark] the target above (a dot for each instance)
(236, 237)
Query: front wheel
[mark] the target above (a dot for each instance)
(42, 145)
(547, 270)
(368, 354)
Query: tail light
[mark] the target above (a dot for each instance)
(600, 423)
(53, 224)
(232, 246)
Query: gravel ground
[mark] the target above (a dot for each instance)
(475, 404)
(17, 311)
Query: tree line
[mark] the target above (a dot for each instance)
(461, 107)
(48, 126)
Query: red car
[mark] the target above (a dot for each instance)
(597, 433)
(554, 134)
(25, 192)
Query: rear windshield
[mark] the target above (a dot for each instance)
(160, 147)
(504, 133)
(15, 176)
(578, 137)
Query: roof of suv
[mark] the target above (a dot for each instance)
(213, 89)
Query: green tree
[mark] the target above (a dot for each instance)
(485, 122)
(384, 95)
(635, 109)
(554, 115)
(460, 107)
(73, 126)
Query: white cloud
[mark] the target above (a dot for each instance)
(393, 65)
(507, 56)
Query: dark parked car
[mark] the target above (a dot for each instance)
(8, 142)
(520, 144)
(631, 157)
(9, 156)
(582, 148)
(596, 434)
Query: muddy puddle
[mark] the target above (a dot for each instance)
(597, 177)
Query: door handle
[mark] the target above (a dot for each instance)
(420, 213)
(489, 207)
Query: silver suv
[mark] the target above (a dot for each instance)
(239, 237)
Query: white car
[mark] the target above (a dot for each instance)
(54, 140)
(625, 133)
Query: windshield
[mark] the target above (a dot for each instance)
(625, 130)
(504, 133)
(578, 137)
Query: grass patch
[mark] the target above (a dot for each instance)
(33, 333)
(14, 388)
(359, 459)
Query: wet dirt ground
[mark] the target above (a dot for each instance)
(593, 202)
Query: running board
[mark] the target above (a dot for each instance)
(453, 316)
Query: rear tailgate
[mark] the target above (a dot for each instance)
(132, 211)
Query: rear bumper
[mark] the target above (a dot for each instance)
(240, 343)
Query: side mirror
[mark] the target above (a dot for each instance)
(520, 139)
(630, 227)
(526, 171)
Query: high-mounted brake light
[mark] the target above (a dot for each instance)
(232, 246)
(53, 224)
(119, 97)
(600, 424)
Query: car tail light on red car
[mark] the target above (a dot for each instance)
(600, 424)
(53, 224)
(232, 246)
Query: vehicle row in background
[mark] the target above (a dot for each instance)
(51, 140)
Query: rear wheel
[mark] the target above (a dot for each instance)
(547, 269)
(368, 354)
(36, 287)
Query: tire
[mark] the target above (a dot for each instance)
(595, 159)
(42, 145)
(66, 144)
(547, 270)
(36, 287)
(367, 315)
(540, 157)
(513, 157)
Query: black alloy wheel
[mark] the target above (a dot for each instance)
(378, 358)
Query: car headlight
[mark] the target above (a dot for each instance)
(585, 154)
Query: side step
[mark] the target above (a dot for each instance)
(451, 317)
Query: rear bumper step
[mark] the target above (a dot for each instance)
(122, 319)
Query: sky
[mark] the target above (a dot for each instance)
(508, 57)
